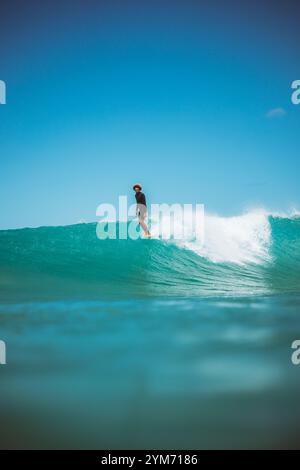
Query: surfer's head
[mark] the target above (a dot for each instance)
(137, 187)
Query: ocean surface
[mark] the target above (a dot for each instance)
(150, 343)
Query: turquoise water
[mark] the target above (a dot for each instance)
(148, 343)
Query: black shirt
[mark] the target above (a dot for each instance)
(140, 198)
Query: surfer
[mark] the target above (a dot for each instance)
(141, 208)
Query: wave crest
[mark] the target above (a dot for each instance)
(251, 254)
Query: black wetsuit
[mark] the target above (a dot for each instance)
(141, 201)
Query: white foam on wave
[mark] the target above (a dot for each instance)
(240, 239)
(291, 214)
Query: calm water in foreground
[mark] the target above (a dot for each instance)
(151, 373)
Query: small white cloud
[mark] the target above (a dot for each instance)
(276, 113)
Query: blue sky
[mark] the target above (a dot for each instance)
(178, 95)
